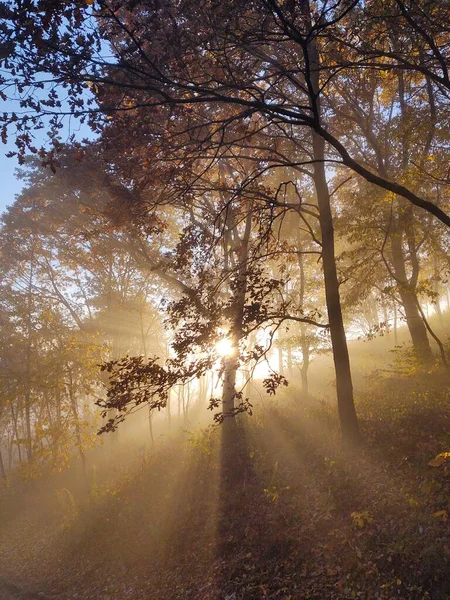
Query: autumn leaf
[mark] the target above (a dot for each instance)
(440, 459)
(361, 519)
(442, 515)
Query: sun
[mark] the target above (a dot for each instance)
(224, 347)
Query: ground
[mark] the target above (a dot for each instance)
(278, 509)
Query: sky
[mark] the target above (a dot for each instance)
(10, 185)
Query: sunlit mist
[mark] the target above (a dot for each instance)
(224, 347)
(225, 300)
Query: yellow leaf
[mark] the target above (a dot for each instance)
(441, 514)
(361, 519)
(399, 582)
(440, 459)
(413, 502)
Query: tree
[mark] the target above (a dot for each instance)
(184, 56)
(195, 84)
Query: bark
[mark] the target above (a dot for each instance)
(304, 345)
(16, 431)
(229, 390)
(280, 358)
(344, 386)
(180, 394)
(395, 325)
(186, 402)
(403, 229)
(202, 389)
(169, 412)
(29, 440)
(2, 466)
(409, 299)
(437, 291)
(74, 409)
(290, 366)
(385, 316)
(150, 426)
(231, 363)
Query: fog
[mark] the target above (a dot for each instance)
(225, 300)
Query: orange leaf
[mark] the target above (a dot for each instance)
(440, 459)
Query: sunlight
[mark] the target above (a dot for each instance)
(224, 347)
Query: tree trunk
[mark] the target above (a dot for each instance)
(304, 342)
(290, 366)
(150, 426)
(202, 389)
(385, 316)
(280, 358)
(29, 439)
(305, 362)
(2, 466)
(231, 363)
(395, 325)
(16, 432)
(404, 228)
(409, 300)
(169, 414)
(344, 386)
(229, 390)
(74, 409)
(437, 291)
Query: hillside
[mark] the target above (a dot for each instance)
(281, 512)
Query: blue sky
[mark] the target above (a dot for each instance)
(10, 185)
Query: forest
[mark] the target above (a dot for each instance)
(225, 300)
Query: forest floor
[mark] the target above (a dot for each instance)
(281, 511)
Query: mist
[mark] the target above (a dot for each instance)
(225, 300)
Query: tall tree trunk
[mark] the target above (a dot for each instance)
(229, 389)
(231, 363)
(395, 325)
(10, 451)
(280, 357)
(74, 409)
(409, 300)
(304, 342)
(180, 399)
(2, 466)
(150, 426)
(404, 229)
(304, 345)
(385, 315)
(169, 410)
(344, 386)
(290, 365)
(186, 402)
(29, 440)
(437, 291)
(16, 431)
(202, 389)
